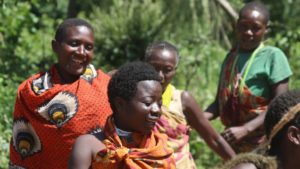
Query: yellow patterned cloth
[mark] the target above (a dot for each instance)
(173, 123)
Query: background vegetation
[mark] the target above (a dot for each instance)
(203, 30)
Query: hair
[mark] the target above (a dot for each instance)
(162, 45)
(258, 6)
(123, 83)
(71, 22)
(260, 161)
(278, 109)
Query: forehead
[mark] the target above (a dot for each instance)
(78, 31)
(252, 15)
(163, 55)
(148, 88)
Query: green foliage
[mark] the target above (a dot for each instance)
(122, 26)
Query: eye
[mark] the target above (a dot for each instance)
(168, 70)
(89, 47)
(73, 43)
(256, 28)
(147, 103)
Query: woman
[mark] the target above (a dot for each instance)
(53, 108)
(128, 139)
(181, 110)
(251, 76)
(282, 124)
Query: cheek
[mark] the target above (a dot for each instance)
(90, 56)
(170, 76)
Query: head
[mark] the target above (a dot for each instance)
(281, 128)
(250, 161)
(74, 47)
(164, 57)
(252, 25)
(134, 93)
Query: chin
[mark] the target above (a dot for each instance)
(148, 130)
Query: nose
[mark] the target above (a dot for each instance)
(249, 32)
(156, 110)
(81, 50)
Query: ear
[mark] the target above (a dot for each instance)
(267, 30)
(120, 104)
(54, 44)
(293, 134)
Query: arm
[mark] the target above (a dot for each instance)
(84, 149)
(212, 111)
(235, 134)
(197, 120)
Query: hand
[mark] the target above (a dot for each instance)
(235, 134)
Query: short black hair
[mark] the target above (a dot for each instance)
(276, 110)
(62, 28)
(123, 83)
(162, 45)
(258, 6)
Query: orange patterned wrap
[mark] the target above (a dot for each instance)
(50, 115)
(147, 152)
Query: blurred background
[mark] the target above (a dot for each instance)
(203, 30)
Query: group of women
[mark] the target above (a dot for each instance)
(78, 117)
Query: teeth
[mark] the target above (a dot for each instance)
(77, 61)
(152, 120)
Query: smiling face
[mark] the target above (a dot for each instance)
(144, 109)
(251, 28)
(164, 61)
(75, 51)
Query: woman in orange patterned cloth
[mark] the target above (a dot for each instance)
(128, 140)
(54, 107)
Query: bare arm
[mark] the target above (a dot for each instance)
(234, 134)
(197, 120)
(212, 111)
(84, 149)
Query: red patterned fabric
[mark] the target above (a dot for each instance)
(49, 116)
(238, 105)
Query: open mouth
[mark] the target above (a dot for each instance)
(78, 60)
(151, 121)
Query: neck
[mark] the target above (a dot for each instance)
(120, 124)
(248, 50)
(289, 158)
(65, 77)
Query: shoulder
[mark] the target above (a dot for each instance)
(187, 100)
(103, 76)
(88, 144)
(29, 80)
(186, 96)
(272, 51)
(85, 148)
(88, 140)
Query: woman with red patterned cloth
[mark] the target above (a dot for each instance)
(252, 75)
(53, 108)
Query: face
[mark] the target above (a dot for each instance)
(164, 62)
(251, 28)
(144, 109)
(75, 51)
